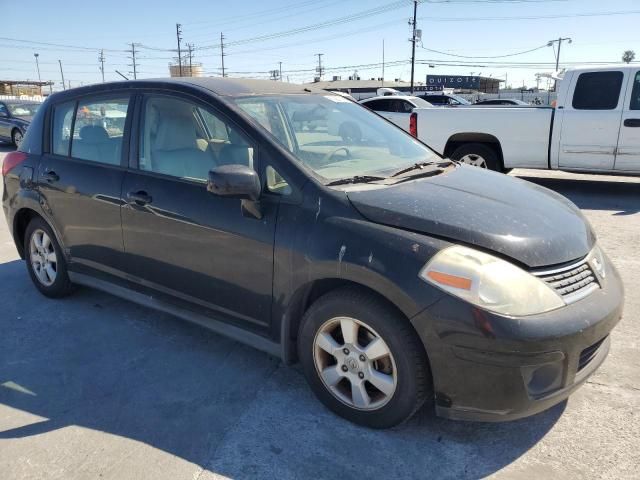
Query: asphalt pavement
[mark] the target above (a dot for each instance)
(96, 387)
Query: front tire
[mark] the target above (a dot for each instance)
(45, 261)
(363, 359)
(16, 137)
(478, 155)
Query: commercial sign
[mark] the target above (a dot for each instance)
(428, 88)
(454, 81)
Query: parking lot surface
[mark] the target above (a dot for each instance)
(96, 387)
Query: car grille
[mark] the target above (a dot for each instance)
(588, 354)
(573, 282)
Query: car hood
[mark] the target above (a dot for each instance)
(528, 223)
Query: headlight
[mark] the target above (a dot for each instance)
(597, 261)
(489, 282)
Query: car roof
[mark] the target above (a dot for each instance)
(217, 85)
(385, 97)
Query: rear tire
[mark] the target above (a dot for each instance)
(378, 374)
(478, 155)
(46, 264)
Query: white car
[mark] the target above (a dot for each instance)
(396, 108)
(594, 128)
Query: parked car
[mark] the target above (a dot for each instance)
(595, 127)
(439, 99)
(15, 116)
(396, 108)
(502, 101)
(395, 277)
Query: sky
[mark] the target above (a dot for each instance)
(459, 37)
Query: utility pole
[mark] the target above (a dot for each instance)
(190, 50)
(134, 64)
(222, 53)
(280, 63)
(382, 62)
(62, 74)
(559, 42)
(178, 32)
(320, 68)
(101, 60)
(413, 41)
(37, 66)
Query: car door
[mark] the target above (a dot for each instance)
(591, 121)
(80, 178)
(628, 153)
(182, 240)
(5, 122)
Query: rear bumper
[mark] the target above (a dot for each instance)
(491, 368)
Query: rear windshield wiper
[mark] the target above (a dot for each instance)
(423, 168)
(355, 179)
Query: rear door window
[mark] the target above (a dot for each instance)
(61, 130)
(98, 131)
(382, 105)
(597, 91)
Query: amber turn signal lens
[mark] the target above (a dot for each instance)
(450, 280)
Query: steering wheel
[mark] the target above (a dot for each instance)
(329, 155)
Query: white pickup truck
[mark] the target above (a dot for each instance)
(595, 127)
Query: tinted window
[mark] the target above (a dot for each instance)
(184, 140)
(597, 91)
(382, 105)
(99, 130)
(635, 94)
(61, 130)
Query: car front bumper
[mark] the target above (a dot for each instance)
(488, 367)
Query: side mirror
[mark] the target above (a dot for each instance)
(236, 181)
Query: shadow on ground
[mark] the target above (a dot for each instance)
(97, 362)
(621, 197)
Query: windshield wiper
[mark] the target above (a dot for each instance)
(428, 167)
(355, 179)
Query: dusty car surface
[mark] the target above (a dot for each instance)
(397, 278)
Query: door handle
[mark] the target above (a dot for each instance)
(51, 176)
(140, 197)
(632, 122)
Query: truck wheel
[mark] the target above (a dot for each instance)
(363, 359)
(478, 155)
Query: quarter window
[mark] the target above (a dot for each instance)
(597, 91)
(635, 94)
(99, 130)
(184, 140)
(61, 131)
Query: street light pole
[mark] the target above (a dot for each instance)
(37, 66)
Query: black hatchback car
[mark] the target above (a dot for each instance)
(394, 276)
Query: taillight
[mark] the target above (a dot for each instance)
(12, 160)
(413, 124)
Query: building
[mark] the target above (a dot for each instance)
(23, 87)
(188, 70)
(464, 83)
(361, 89)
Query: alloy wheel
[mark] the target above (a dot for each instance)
(475, 160)
(354, 363)
(43, 258)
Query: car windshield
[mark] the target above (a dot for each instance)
(334, 137)
(23, 109)
(460, 100)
